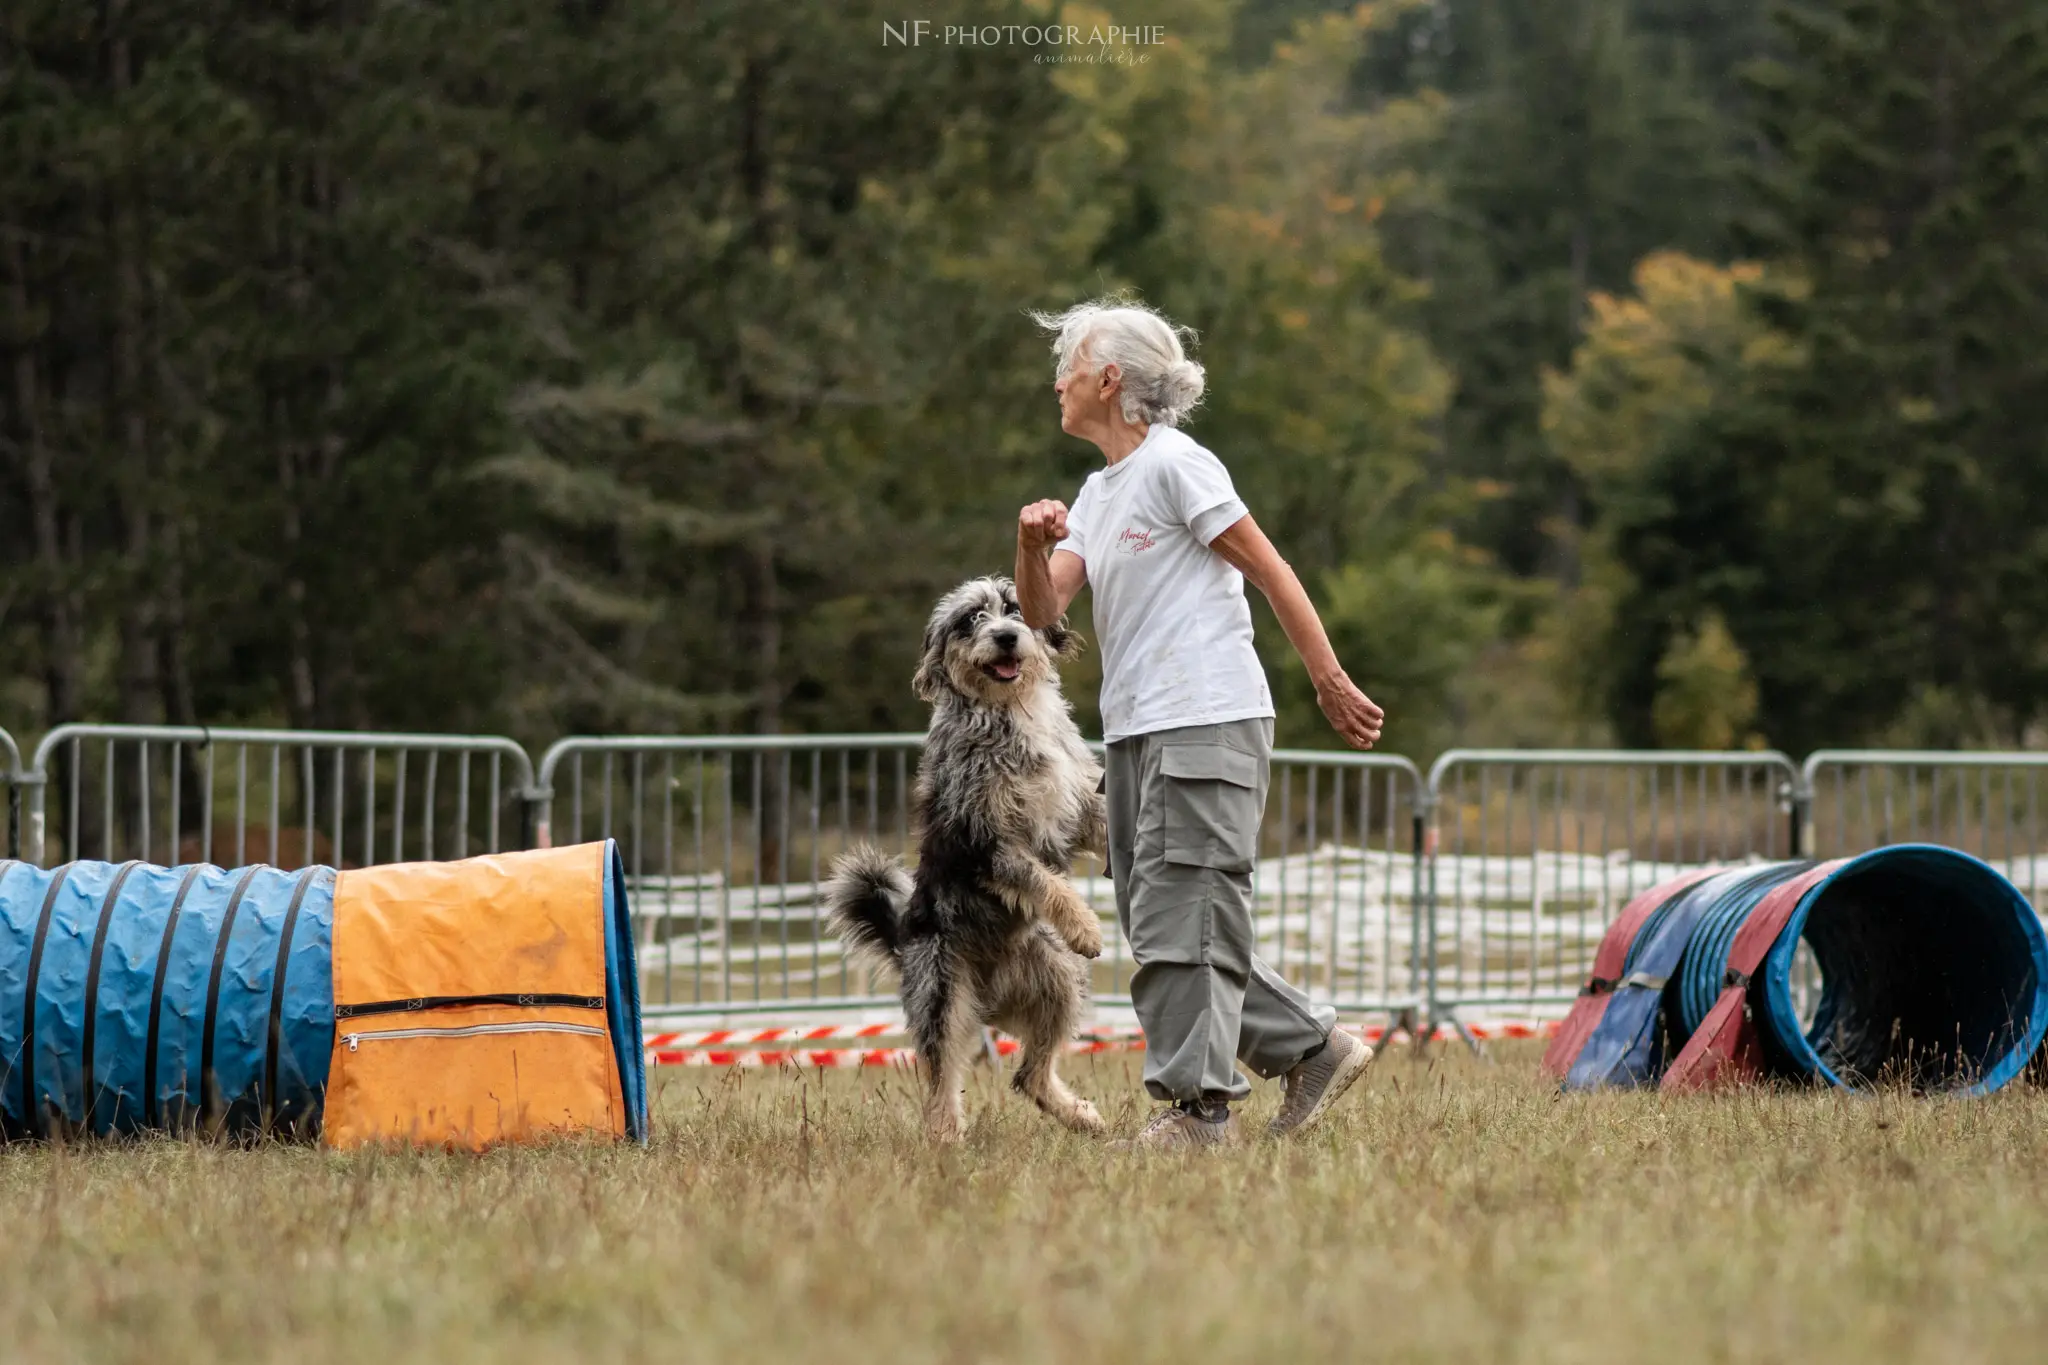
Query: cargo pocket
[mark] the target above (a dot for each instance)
(1212, 806)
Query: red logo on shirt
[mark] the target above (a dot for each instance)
(1133, 541)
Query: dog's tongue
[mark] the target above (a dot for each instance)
(1006, 671)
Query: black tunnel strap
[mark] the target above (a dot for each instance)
(527, 1000)
(220, 961)
(31, 1111)
(156, 996)
(1599, 985)
(92, 985)
(275, 1046)
(1732, 977)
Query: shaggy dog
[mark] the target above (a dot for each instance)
(989, 931)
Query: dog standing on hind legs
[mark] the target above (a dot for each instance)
(989, 930)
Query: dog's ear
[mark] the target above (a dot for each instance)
(929, 681)
(1064, 641)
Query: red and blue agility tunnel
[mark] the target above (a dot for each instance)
(1628, 1048)
(136, 998)
(1608, 962)
(1933, 967)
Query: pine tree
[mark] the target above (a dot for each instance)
(1713, 42)
(1568, 154)
(248, 374)
(590, 363)
(1901, 475)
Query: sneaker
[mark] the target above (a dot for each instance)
(1181, 1128)
(1315, 1083)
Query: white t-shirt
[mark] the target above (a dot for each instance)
(1170, 615)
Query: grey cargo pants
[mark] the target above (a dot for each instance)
(1184, 811)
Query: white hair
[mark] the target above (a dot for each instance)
(1160, 383)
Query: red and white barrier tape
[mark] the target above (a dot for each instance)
(803, 1033)
(714, 1047)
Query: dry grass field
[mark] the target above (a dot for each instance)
(1450, 1211)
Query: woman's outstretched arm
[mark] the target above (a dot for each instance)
(1353, 714)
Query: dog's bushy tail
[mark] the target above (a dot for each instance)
(864, 903)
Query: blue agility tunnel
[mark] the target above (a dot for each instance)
(137, 998)
(1933, 974)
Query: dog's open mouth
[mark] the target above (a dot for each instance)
(1003, 670)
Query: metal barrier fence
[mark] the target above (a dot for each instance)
(289, 798)
(1484, 887)
(16, 778)
(1989, 804)
(726, 841)
(1338, 892)
(1533, 852)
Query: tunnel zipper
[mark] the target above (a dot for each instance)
(474, 1030)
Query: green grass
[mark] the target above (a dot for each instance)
(1449, 1211)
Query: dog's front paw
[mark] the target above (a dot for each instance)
(1085, 937)
(1094, 833)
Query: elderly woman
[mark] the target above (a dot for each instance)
(1160, 536)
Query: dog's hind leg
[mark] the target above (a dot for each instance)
(945, 1023)
(1042, 988)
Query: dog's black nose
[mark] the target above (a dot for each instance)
(1005, 639)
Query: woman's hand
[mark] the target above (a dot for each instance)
(1045, 586)
(1041, 526)
(1350, 712)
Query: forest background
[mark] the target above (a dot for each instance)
(1645, 372)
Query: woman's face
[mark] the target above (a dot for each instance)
(1085, 395)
